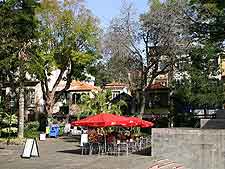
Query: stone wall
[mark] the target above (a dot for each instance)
(194, 148)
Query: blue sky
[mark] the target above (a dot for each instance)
(106, 9)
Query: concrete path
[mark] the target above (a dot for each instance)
(64, 153)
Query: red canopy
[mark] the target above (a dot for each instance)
(106, 120)
(102, 120)
(135, 121)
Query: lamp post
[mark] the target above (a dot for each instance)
(10, 116)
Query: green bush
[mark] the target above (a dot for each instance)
(31, 129)
(31, 134)
(34, 125)
(61, 130)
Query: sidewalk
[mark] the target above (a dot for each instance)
(64, 153)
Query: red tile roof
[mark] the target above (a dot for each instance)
(78, 86)
(115, 85)
(156, 86)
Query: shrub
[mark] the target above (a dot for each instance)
(31, 134)
(34, 125)
(31, 129)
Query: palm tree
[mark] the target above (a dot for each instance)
(100, 103)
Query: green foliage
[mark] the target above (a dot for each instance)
(8, 123)
(17, 29)
(33, 126)
(31, 134)
(202, 88)
(31, 129)
(100, 103)
(155, 4)
(66, 38)
(201, 92)
(208, 20)
(7, 117)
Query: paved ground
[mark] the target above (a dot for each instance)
(64, 153)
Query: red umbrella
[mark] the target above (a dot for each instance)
(135, 122)
(102, 120)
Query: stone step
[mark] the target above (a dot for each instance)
(166, 164)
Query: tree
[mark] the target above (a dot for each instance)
(207, 21)
(203, 88)
(99, 103)
(67, 42)
(15, 45)
(153, 45)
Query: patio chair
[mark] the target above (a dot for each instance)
(112, 149)
(101, 148)
(109, 148)
(85, 148)
(131, 147)
(94, 148)
(143, 143)
(123, 147)
(149, 140)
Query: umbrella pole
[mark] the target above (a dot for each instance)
(105, 142)
(104, 138)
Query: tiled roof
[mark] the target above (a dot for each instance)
(156, 86)
(78, 86)
(115, 85)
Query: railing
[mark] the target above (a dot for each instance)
(126, 147)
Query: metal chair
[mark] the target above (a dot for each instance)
(122, 147)
(85, 148)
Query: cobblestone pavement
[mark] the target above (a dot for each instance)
(64, 153)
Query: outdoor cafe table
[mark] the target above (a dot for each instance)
(107, 120)
(116, 148)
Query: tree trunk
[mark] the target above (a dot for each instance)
(50, 102)
(143, 101)
(133, 105)
(48, 108)
(21, 113)
(205, 113)
(143, 96)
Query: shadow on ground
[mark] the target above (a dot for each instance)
(77, 151)
(144, 152)
(71, 138)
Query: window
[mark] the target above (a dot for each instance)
(30, 97)
(115, 94)
(76, 98)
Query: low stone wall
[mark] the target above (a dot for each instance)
(194, 148)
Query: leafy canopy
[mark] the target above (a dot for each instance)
(68, 38)
(100, 102)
